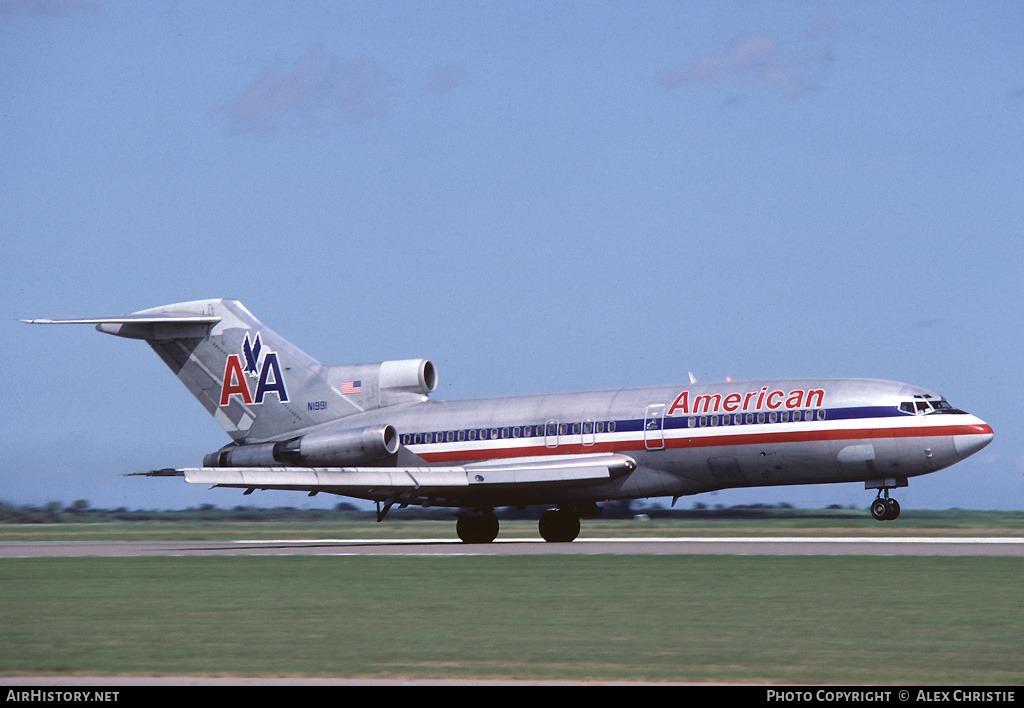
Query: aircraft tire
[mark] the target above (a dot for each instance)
(559, 526)
(880, 509)
(892, 510)
(477, 528)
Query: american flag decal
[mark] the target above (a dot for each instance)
(350, 387)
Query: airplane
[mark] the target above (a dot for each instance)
(370, 431)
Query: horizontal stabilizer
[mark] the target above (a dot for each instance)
(576, 469)
(132, 319)
(145, 325)
(166, 472)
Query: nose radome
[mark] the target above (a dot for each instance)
(969, 443)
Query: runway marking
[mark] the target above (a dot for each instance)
(1008, 540)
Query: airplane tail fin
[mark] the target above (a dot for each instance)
(256, 384)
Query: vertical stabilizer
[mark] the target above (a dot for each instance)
(255, 384)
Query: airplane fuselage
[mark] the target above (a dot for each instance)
(696, 438)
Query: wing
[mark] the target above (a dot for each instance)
(451, 486)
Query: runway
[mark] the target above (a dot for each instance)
(707, 545)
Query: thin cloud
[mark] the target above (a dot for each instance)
(758, 60)
(447, 78)
(318, 90)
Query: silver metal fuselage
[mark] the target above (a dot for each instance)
(693, 438)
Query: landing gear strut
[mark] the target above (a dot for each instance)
(885, 509)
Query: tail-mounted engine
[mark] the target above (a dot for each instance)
(327, 448)
(384, 383)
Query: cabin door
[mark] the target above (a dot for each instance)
(654, 426)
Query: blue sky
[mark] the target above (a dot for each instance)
(538, 196)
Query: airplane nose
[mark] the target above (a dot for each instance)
(970, 442)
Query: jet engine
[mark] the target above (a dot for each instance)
(326, 448)
(385, 383)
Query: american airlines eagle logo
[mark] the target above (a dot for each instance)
(240, 368)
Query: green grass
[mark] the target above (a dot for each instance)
(733, 619)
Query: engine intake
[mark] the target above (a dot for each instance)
(412, 375)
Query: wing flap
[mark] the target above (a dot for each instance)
(538, 470)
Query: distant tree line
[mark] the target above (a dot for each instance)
(80, 511)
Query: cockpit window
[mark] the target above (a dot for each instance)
(922, 407)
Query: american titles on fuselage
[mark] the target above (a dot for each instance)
(748, 401)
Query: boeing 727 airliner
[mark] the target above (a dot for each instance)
(369, 431)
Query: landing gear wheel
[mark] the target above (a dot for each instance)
(885, 509)
(893, 510)
(559, 526)
(477, 527)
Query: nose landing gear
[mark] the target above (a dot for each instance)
(885, 509)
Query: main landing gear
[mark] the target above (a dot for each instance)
(481, 526)
(477, 527)
(559, 526)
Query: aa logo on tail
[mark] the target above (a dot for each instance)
(239, 368)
